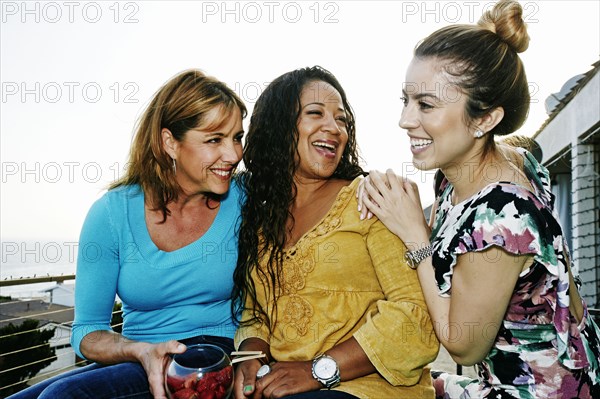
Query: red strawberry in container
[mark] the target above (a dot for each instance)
(174, 383)
(220, 392)
(186, 393)
(225, 376)
(206, 395)
(203, 371)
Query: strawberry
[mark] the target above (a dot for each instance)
(190, 381)
(209, 382)
(186, 393)
(207, 395)
(226, 376)
(174, 383)
(220, 392)
(202, 384)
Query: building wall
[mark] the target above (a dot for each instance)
(62, 294)
(567, 128)
(585, 207)
(580, 115)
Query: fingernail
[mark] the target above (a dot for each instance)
(359, 207)
(247, 388)
(362, 216)
(369, 215)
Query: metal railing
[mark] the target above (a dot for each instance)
(35, 280)
(64, 358)
(67, 350)
(40, 376)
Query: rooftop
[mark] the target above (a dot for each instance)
(567, 93)
(16, 311)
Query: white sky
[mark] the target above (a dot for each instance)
(76, 74)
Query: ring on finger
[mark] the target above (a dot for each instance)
(263, 371)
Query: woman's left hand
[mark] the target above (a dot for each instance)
(396, 202)
(286, 378)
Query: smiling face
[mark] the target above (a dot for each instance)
(322, 134)
(435, 119)
(206, 156)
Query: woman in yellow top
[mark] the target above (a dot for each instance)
(329, 298)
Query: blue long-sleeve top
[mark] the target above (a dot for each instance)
(165, 295)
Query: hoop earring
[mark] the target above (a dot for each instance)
(174, 166)
(478, 134)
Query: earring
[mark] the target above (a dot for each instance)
(478, 134)
(174, 166)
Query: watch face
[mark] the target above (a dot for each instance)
(325, 368)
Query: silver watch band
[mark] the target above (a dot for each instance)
(415, 257)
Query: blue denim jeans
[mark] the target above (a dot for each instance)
(119, 381)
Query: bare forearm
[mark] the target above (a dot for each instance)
(449, 333)
(438, 307)
(351, 359)
(468, 322)
(108, 347)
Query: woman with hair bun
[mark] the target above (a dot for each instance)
(494, 265)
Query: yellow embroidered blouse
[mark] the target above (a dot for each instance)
(346, 277)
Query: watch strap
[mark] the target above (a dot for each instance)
(415, 257)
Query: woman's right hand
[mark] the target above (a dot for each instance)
(396, 202)
(155, 359)
(244, 381)
(108, 347)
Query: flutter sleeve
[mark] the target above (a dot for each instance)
(503, 215)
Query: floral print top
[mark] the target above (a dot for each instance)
(540, 350)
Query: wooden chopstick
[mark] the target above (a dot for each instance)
(241, 359)
(244, 353)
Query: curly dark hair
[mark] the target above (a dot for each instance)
(270, 159)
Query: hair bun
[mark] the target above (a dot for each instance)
(506, 20)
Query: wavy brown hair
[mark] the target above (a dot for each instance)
(179, 105)
(270, 159)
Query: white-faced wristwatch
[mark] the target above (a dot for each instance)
(413, 258)
(325, 370)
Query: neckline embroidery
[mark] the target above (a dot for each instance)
(299, 260)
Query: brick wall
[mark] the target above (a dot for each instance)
(585, 207)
